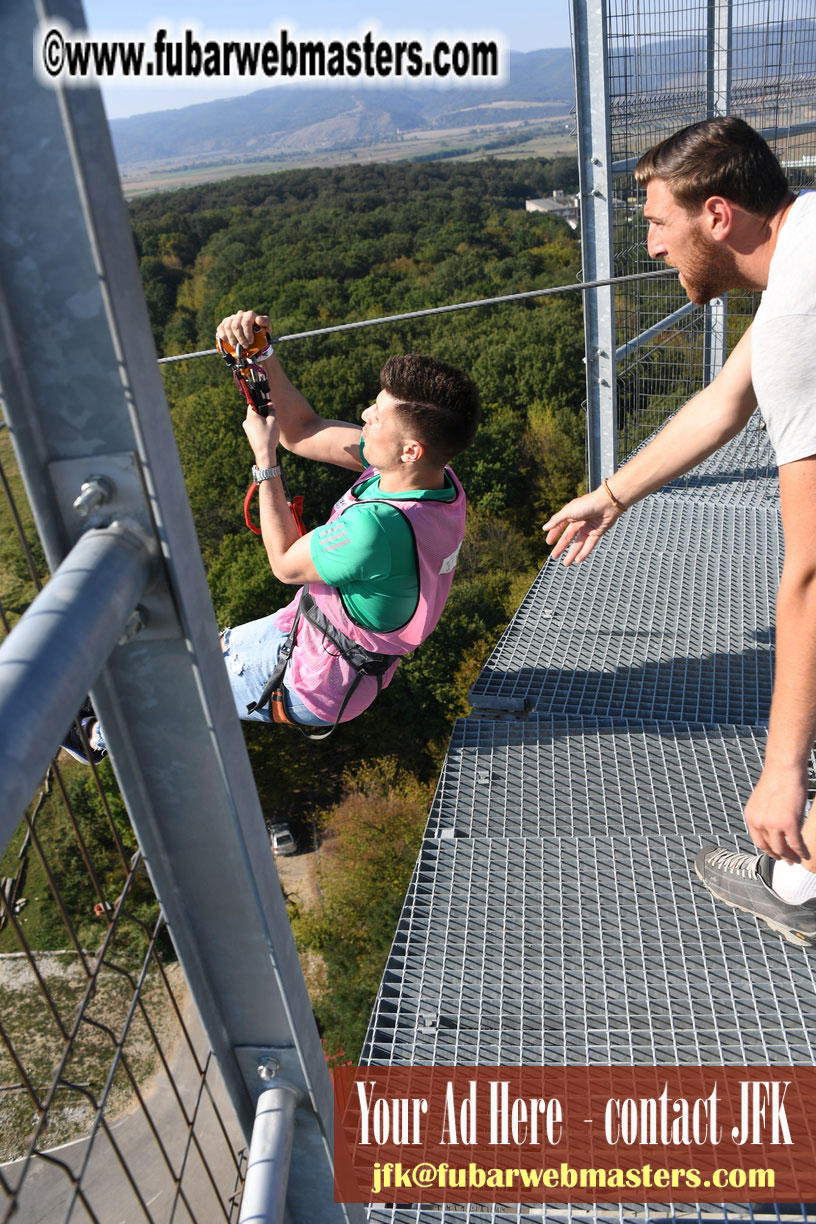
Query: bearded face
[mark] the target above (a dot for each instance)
(707, 268)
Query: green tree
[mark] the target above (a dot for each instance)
(372, 837)
(555, 459)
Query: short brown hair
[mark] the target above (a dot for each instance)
(723, 157)
(437, 401)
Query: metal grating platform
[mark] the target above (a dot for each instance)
(585, 951)
(554, 915)
(661, 635)
(742, 473)
(746, 457)
(581, 1213)
(718, 488)
(594, 777)
(667, 523)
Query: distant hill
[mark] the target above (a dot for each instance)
(294, 125)
(275, 121)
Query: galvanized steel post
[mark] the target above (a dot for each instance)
(718, 102)
(595, 179)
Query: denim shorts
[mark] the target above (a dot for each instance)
(251, 655)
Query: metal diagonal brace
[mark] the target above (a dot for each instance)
(53, 655)
(267, 1174)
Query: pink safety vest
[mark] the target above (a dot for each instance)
(319, 676)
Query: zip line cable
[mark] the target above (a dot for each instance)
(432, 310)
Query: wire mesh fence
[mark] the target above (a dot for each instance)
(672, 63)
(111, 1106)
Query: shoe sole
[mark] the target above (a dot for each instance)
(788, 933)
(83, 760)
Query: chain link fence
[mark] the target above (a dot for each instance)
(111, 1106)
(672, 63)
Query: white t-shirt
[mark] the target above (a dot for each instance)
(783, 337)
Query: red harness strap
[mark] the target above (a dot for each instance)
(295, 505)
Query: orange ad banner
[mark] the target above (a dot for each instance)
(575, 1134)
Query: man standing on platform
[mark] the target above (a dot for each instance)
(720, 210)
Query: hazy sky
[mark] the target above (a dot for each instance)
(525, 26)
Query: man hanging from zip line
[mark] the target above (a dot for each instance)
(374, 579)
(380, 570)
(719, 210)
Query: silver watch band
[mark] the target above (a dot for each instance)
(259, 474)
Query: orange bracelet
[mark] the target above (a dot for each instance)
(617, 504)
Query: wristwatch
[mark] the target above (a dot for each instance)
(259, 474)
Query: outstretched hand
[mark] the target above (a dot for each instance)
(576, 528)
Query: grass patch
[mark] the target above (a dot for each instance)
(17, 588)
(35, 1035)
(40, 921)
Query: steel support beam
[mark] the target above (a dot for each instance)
(88, 400)
(595, 179)
(718, 102)
(651, 333)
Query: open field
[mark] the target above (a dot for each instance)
(550, 140)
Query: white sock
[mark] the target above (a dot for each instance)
(793, 882)
(93, 731)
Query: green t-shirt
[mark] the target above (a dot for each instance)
(368, 553)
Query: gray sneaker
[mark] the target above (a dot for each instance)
(743, 881)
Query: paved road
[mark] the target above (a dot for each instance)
(47, 1191)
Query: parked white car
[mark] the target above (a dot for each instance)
(281, 839)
